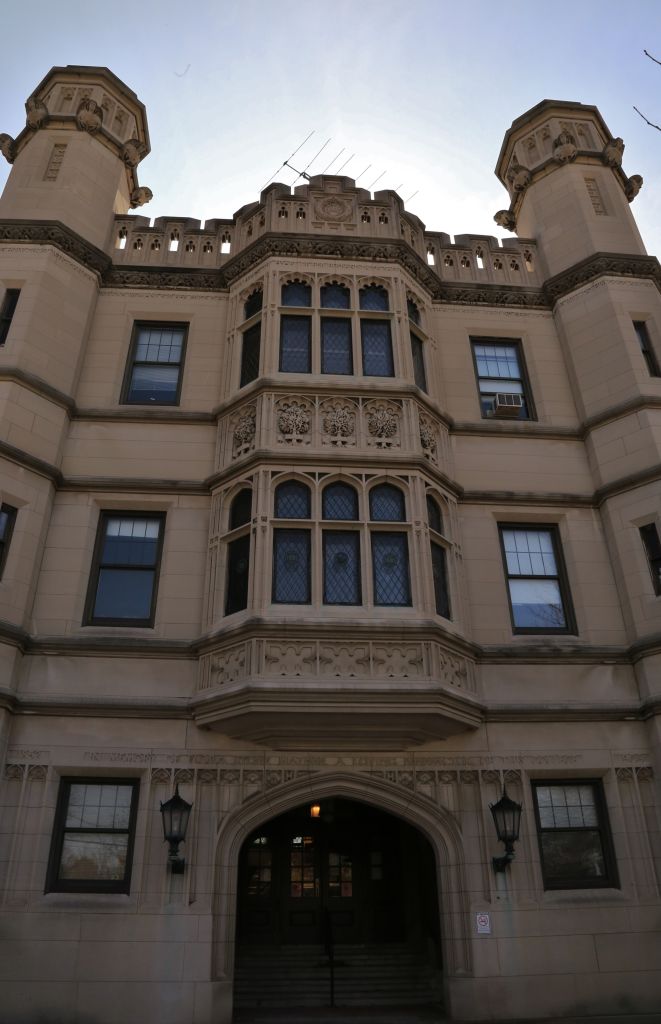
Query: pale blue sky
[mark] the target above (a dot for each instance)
(420, 90)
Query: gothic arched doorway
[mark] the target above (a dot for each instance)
(338, 909)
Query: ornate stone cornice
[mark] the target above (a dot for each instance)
(168, 278)
(601, 264)
(53, 232)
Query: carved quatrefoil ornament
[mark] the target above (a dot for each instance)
(333, 209)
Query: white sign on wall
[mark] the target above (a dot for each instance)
(483, 923)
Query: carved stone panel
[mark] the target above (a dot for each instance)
(383, 424)
(294, 421)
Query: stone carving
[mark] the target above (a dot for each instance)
(624, 774)
(14, 772)
(512, 775)
(613, 152)
(161, 775)
(206, 775)
(290, 659)
(333, 209)
(133, 151)
(506, 220)
(228, 665)
(564, 147)
(183, 775)
(344, 660)
(294, 419)
(468, 777)
(140, 196)
(645, 774)
(36, 113)
(243, 436)
(231, 776)
(428, 438)
(452, 671)
(7, 147)
(37, 772)
(398, 661)
(633, 187)
(519, 177)
(89, 116)
(382, 424)
(339, 424)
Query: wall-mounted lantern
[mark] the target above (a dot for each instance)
(315, 811)
(176, 812)
(507, 819)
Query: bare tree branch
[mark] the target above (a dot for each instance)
(650, 123)
(651, 58)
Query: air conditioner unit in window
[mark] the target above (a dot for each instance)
(507, 406)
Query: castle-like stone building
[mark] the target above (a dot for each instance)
(339, 526)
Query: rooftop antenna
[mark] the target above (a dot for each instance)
(333, 160)
(339, 171)
(370, 187)
(411, 196)
(303, 173)
(363, 172)
(286, 164)
(397, 187)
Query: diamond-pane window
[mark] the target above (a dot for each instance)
(377, 348)
(387, 504)
(253, 304)
(413, 312)
(341, 567)
(339, 501)
(336, 355)
(291, 566)
(390, 565)
(295, 347)
(434, 517)
(296, 293)
(335, 296)
(374, 297)
(250, 354)
(292, 501)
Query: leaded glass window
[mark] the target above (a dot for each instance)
(377, 348)
(339, 501)
(250, 354)
(387, 504)
(539, 598)
(154, 371)
(341, 567)
(336, 354)
(439, 572)
(292, 500)
(574, 838)
(335, 296)
(434, 517)
(238, 571)
(390, 565)
(649, 534)
(259, 868)
(291, 566)
(253, 304)
(374, 297)
(295, 344)
(303, 874)
(413, 312)
(296, 293)
(417, 355)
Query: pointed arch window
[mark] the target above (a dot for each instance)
(341, 547)
(390, 550)
(375, 333)
(251, 339)
(238, 553)
(292, 546)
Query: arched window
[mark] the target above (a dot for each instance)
(292, 500)
(387, 504)
(390, 551)
(238, 554)
(296, 293)
(253, 303)
(413, 311)
(251, 339)
(374, 297)
(375, 334)
(438, 560)
(335, 296)
(339, 501)
(341, 548)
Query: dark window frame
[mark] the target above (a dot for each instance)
(11, 513)
(646, 347)
(7, 311)
(531, 412)
(284, 319)
(238, 545)
(610, 879)
(89, 619)
(651, 541)
(55, 884)
(246, 375)
(131, 362)
(570, 627)
(419, 364)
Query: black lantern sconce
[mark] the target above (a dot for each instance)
(507, 819)
(176, 812)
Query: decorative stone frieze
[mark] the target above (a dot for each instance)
(429, 438)
(243, 431)
(89, 116)
(293, 421)
(338, 419)
(383, 423)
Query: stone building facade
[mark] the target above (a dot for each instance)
(313, 507)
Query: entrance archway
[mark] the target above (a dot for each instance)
(436, 824)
